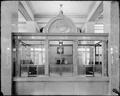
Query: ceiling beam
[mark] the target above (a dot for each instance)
(26, 11)
(96, 10)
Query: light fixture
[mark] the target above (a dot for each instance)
(60, 43)
(60, 49)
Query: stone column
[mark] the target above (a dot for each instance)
(111, 26)
(9, 20)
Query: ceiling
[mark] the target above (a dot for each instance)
(81, 8)
(77, 11)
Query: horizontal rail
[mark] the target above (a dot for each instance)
(61, 34)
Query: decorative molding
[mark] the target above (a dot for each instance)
(47, 22)
(60, 23)
(51, 16)
(63, 34)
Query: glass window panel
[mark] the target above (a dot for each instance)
(99, 31)
(99, 28)
(41, 70)
(32, 71)
(31, 54)
(61, 64)
(24, 71)
(32, 58)
(90, 58)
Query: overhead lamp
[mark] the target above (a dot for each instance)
(60, 49)
(60, 43)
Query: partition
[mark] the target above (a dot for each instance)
(61, 58)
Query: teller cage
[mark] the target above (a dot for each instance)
(58, 60)
(65, 63)
(45, 54)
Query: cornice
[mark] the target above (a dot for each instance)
(51, 16)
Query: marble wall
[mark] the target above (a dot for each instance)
(111, 26)
(9, 22)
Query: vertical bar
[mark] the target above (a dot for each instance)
(46, 59)
(95, 54)
(37, 65)
(93, 64)
(94, 59)
(18, 58)
(28, 65)
(85, 55)
(75, 58)
(98, 56)
(104, 58)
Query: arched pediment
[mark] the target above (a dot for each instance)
(60, 24)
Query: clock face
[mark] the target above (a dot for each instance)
(59, 26)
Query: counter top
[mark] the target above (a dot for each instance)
(60, 78)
